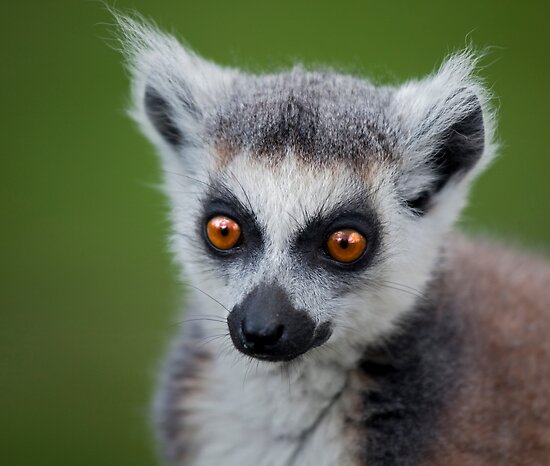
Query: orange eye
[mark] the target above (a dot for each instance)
(346, 245)
(223, 232)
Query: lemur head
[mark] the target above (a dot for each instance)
(312, 205)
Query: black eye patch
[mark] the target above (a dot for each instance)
(220, 201)
(311, 241)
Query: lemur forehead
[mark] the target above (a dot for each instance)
(300, 190)
(321, 117)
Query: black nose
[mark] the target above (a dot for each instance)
(267, 326)
(259, 335)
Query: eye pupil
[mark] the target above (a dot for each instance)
(224, 231)
(344, 243)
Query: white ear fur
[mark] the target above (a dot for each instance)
(428, 109)
(172, 87)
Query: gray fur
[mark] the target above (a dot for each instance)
(415, 376)
(180, 378)
(322, 116)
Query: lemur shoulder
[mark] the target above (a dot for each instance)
(333, 316)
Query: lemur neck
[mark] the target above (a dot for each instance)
(287, 399)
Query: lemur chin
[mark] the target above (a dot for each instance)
(333, 316)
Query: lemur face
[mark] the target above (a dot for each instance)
(310, 206)
(306, 239)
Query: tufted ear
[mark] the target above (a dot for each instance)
(172, 88)
(447, 128)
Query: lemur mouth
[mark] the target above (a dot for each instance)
(322, 334)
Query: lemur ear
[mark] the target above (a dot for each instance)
(447, 130)
(172, 88)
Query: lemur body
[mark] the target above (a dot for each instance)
(464, 383)
(313, 212)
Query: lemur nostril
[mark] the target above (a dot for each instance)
(274, 336)
(262, 336)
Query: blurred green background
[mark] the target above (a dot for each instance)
(87, 292)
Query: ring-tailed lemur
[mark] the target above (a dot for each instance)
(312, 212)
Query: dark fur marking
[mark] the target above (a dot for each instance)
(159, 112)
(420, 203)
(461, 147)
(219, 200)
(356, 213)
(414, 374)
